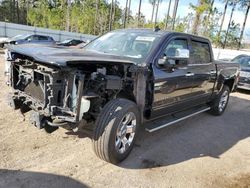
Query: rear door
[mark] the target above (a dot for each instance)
(203, 69)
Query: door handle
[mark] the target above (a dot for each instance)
(189, 74)
(212, 72)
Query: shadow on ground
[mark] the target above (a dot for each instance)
(27, 179)
(244, 91)
(200, 136)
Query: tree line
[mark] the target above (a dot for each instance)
(99, 16)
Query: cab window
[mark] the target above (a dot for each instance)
(174, 45)
(35, 37)
(42, 38)
(169, 54)
(200, 52)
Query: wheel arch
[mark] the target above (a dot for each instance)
(126, 95)
(230, 83)
(225, 79)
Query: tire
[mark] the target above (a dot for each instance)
(49, 129)
(14, 103)
(219, 104)
(117, 124)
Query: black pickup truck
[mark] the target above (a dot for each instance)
(120, 82)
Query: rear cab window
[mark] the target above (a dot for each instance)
(200, 52)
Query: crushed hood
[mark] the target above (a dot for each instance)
(63, 56)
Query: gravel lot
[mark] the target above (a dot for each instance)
(203, 151)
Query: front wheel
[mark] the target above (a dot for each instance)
(115, 130)
(219, 104)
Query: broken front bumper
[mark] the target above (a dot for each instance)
(51, 94)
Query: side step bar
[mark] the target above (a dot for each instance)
(159, 124)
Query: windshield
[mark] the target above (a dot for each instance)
(245, 62)
(136, 45)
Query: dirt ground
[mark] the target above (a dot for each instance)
(203, 151)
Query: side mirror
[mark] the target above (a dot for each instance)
(181, 53)
(29, 40)
(170, 64)
(162, 61)
(176, 56)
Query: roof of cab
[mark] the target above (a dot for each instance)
(161, 32)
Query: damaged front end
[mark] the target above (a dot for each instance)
(65, 96)
(52, 93)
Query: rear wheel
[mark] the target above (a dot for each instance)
(116, 130)
(219, 104)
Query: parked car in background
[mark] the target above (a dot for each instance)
(3, 40)
(81, 45)
(70, 42)
(239, 58)
(225, 60)
(26, 39)
(244, 80)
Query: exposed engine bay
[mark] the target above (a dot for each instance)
(67, 94)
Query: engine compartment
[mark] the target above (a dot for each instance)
(69, 94)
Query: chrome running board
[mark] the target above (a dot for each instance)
(156, 125)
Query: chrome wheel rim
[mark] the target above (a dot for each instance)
(125, 132)
(223, 101)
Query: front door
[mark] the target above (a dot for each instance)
(172, 84)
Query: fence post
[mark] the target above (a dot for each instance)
(60, 35)
(5, 29)
(218, 56)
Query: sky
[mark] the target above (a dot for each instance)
(184, 9)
